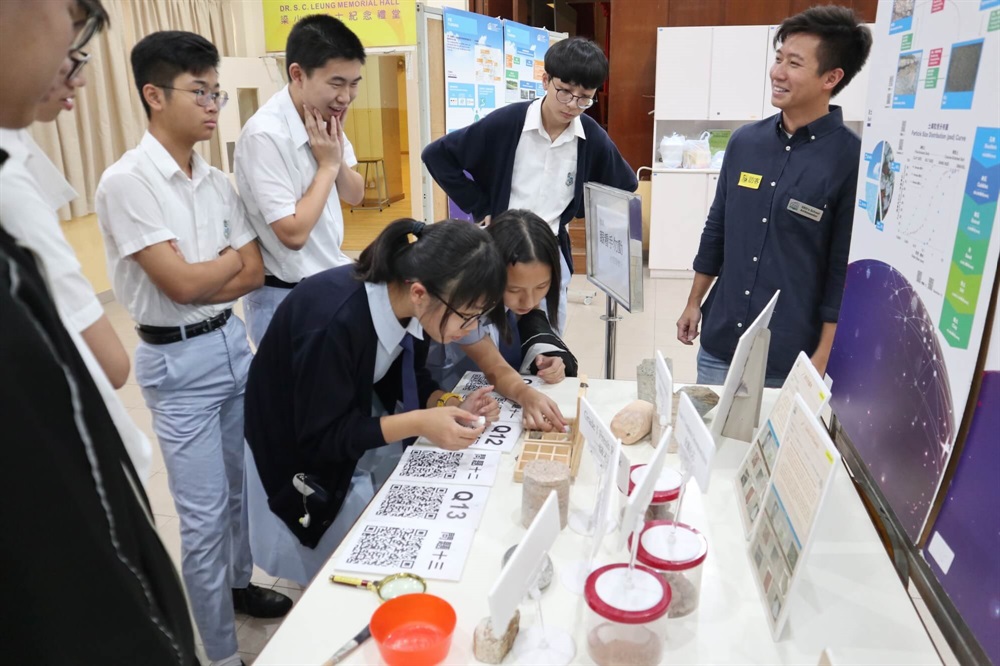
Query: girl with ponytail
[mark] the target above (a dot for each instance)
(340, 379)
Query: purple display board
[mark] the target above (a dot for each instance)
(891, 388)
(964, 547)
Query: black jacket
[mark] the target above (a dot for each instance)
(308, 399)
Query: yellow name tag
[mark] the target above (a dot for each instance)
(750, 180)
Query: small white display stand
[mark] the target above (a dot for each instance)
(739, 406)
(537, 644)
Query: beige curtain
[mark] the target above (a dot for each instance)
(108, 118)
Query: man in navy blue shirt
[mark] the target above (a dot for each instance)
(784, 206)
(537, 155)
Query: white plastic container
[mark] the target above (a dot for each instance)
(666, 491)
(678, 556)
(672, 151)
(626, 624)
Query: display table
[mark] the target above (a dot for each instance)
(849, 598)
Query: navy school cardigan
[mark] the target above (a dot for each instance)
(308, 401)
(486, 150)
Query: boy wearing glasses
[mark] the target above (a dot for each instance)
(180, 252)
(537, 155)
(294, 164)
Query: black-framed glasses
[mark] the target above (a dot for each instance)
(79, 60)
(90, 26)
(565, 97)
(203, 98)
(479, 318)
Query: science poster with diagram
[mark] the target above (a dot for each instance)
(524, 50)
(924, 249)
(473, 64)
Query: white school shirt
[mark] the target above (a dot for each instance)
(544, 176)
(388, 329)
(274, 167)
(24, 210)
(28, 208)
(146, 198)
(53, 186)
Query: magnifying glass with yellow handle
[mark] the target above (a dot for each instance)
(390, 587)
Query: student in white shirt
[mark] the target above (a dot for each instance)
(74, 295)
(180, 253)
(293, 164)
(31, 191)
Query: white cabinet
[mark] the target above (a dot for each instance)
(737, 54)
(709, 73)
(682, 81)
(713, 183)
(677, 218)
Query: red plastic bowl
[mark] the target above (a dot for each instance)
(413, 630)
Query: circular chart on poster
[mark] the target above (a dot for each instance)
(881, 182)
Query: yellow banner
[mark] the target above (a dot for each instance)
(375, 22)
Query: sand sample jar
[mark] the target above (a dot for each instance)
(678, 555)
(663, 506)
(626, 618)
(541, 477)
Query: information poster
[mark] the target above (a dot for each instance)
(473, 64)
(375, 22)
(924, 248)
(755, 470)
(524, 50)
(802, 476)
(963, 546)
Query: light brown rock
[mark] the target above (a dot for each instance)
(490, 648)
(541, 477)
(633, 422)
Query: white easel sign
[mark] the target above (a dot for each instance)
(739, 405)
(695, 443)
(664, 382)
(803, 474)
(600, 439)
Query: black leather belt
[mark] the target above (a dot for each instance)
(164, 335)
(271, 281)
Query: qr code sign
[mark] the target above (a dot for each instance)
(429, 464)
(386, 546)
(411, 501)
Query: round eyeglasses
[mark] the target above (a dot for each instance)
(203, 98)
(565, 97)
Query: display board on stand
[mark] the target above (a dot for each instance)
(614, 255)
(754, 472)
(803, 473)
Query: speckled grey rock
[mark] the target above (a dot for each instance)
(704, 398)
(645, 378)
(544, 578)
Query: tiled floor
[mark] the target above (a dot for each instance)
(638, 336)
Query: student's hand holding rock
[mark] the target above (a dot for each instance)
(324, 139)
(541, 412)
(551, 369)
(451, 428)
(481, 403)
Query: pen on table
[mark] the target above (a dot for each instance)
(349, 647)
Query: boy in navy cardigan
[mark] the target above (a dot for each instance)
(537, 155)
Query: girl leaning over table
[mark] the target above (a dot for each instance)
(531, 301)
(339, 381)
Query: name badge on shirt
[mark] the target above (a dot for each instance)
(750, 180)
(805, 210)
